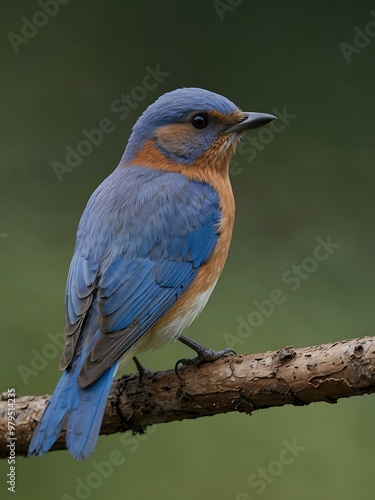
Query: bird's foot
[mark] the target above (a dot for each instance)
(142, 371)
(204, 354)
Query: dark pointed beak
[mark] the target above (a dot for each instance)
(252, 120)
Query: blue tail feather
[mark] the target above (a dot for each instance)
(81, 409)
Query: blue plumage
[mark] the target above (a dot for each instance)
(176, 232)
(140, 243)
(80, 409)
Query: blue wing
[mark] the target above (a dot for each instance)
(141, 241)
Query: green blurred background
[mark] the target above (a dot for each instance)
(314, 179)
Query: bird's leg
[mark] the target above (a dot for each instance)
(141, 369)
(204, 354)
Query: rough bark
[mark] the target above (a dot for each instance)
(243, 383)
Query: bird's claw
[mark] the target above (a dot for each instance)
(142, 371)
(203, 357)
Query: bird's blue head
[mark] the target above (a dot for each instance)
(186, 123)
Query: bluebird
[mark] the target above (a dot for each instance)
(151, 245)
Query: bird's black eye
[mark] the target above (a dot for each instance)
(200, 121)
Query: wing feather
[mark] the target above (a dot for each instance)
(135, 256)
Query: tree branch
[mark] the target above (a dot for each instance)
(242, 383)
